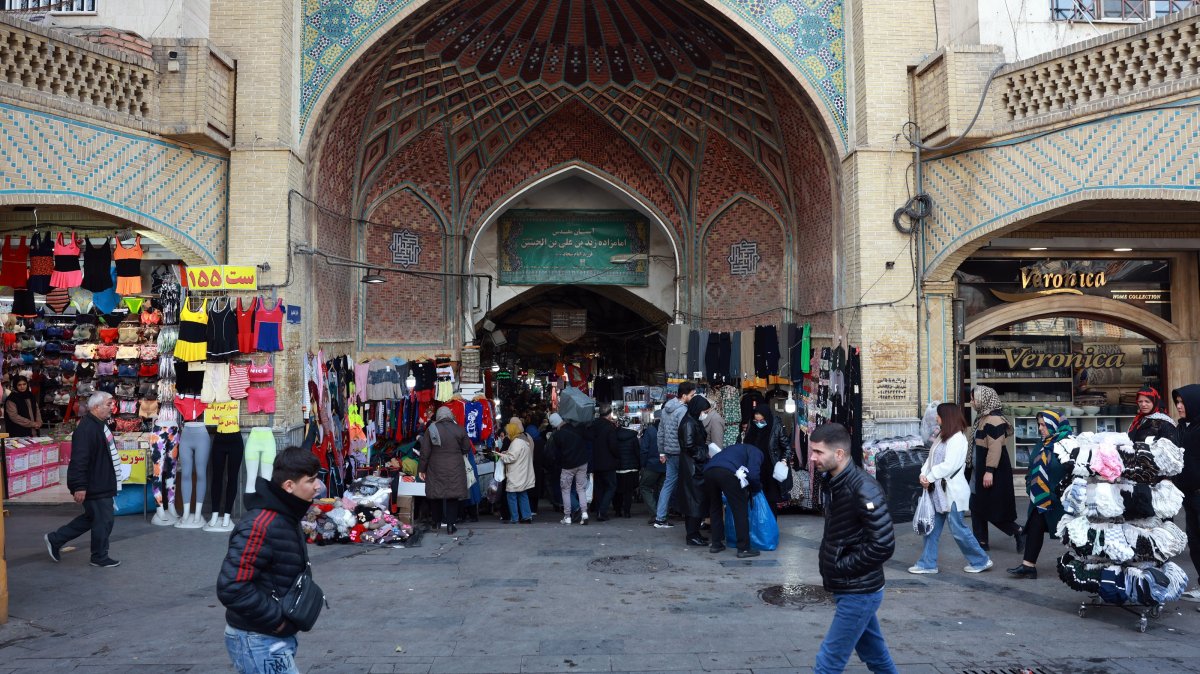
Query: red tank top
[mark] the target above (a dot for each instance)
(245, 326)
(13, 259)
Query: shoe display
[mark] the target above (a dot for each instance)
(106, 563)
(919, 570)
(743, 554)
(52, 549)
(978, 569)
(1023, 571)
(716, 548)
(697, 541)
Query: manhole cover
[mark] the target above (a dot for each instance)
(797, 596)
(629, 564)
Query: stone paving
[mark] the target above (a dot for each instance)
(519, 598)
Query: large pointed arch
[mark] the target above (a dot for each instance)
(1085, 306)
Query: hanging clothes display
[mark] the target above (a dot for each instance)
(268, 327)
(13, 258)
(97, 265)
(41, 262)
(67, 273)
(222, 332)
(129, 267)
(192, 344)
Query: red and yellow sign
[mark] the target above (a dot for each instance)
(224, 416)
(136, 460)
(222, 277)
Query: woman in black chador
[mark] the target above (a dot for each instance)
(1151, 421)
(992, 497)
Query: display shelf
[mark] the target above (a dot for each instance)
(1018, 380)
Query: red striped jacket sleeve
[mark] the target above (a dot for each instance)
(248, 556)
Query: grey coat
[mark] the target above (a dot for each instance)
(445, 472)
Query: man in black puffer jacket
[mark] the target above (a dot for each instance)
(858, 540)
(267, 551)
(1187, 404)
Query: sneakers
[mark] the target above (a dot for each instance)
(1190, 595)
(743, 554)
(106, 563)
(583, 519)
(663, 524)
(52, 549)
(978, 569)
(719, 547)
(920, 570)
(566, 520)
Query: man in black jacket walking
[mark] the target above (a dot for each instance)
(858, 540)
(267, 552)
(92, 479)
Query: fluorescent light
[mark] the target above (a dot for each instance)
(373, 277)
(1038, 248)
(1122, 250)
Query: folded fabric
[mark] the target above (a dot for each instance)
(1168, 541)
(1112, 585)
(1077, 574)
(1074, 497)
(1106, 463)
(1167, 456)
(1166, 499)
(1137, 500)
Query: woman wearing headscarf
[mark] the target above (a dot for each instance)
(992, 498)
(443, 446)
(766, 431)
(1151, 420)
(1041, 483)
(693, 454)
(22, 416)
(519, 476)
(942, 475)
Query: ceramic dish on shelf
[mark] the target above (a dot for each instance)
(1091, 410)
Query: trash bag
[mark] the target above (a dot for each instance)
(923, 517)
(574, 405)
(898, 472)
(764, 529)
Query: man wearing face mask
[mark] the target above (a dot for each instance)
(267, 552)
(668, 448)
(714, 425)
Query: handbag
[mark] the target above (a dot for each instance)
(470, 473)
(303, 601)
(498, 475)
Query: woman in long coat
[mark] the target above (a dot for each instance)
(443, 446)
(767, 432)
(992, 498)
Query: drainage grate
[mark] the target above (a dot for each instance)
(1007, 670)
(629, 564)
(797, 596)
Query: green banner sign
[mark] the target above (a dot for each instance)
(586, 247)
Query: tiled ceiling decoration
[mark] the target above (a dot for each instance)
(600, 43)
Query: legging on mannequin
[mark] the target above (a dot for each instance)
(194, 448)
(166, 455)
(227, 450)
(260, 456)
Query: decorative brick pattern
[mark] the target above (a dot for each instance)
(422, 162)
(173, 190)
(726, 172)
(1153, 154)
(407, 310)
(809, 33)
(741, 302)
(30, 58)
(572, 134)
(1109, 67)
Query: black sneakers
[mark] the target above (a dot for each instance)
(106, 563)
(52, 549)
(662, 524)
(743, 554)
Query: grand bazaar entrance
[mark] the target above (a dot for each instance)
(527, 186)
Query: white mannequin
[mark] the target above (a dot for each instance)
(165, 518)
(219, 523)
(195, 444)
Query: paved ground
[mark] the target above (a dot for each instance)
(501, 598)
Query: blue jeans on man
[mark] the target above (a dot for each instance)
(855, 629)
(668, 488)
(256, 653)
(967, 544)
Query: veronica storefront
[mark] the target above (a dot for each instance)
(1074, 332)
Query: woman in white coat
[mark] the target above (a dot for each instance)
(942, 475)
(519, 477)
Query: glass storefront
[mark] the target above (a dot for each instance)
(1087, 369)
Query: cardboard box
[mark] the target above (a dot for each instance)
(52, 475)
(17, 459)
(404, 509)
(17, 485)
(50, 457)
(35, 455)
(37, 479)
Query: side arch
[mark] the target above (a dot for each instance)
(771, 280)
(1085, 306)
(189, 250)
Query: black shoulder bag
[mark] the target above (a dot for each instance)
(303, 601)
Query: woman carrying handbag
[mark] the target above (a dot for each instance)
(943, 479)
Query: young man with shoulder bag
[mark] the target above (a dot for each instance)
(265, 583)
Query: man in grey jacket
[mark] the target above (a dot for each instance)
(668, 448)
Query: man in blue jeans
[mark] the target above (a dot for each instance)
(858, 539)
(668, 448)
(267, 552)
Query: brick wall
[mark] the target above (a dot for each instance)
(407, 310)
(729, 301)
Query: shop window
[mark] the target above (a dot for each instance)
(1115, 10)
(57, 6)
(1088, 370)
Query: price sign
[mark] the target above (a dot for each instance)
(222, 277)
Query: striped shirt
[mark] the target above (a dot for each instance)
(239, 381)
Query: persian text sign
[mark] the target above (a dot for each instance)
(539, 247)
(135, 459)
(222, 277)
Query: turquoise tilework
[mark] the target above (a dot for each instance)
(810, 33)
(984, 189)
(182, 191)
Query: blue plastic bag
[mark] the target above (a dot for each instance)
(764, 529)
